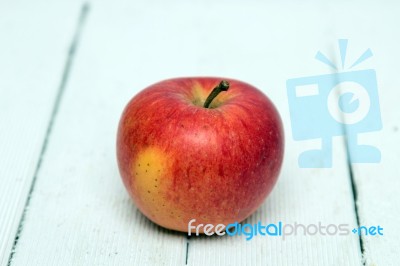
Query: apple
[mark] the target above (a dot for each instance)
(201, 148)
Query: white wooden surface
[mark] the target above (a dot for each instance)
(377, 184)
(79, 212)
(34, 40)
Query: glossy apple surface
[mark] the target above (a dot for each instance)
(181, 161)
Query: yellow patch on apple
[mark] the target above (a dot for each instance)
(149, 171)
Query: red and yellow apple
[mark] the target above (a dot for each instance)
(181, 158)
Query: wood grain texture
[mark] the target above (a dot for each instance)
(372, 26)
(34, 43)
(80, 212)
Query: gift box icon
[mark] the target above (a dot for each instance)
(338, 104)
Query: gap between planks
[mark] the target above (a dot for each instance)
(64, 79)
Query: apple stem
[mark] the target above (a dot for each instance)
(222, 86)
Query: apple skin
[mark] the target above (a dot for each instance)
(180, 161)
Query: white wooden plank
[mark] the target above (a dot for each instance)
(373, 26)
(34, 43)
(80, 213)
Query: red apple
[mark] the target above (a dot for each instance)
(180, 160)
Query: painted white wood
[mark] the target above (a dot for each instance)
(34, 40)
(80, 212)
(373, 26)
